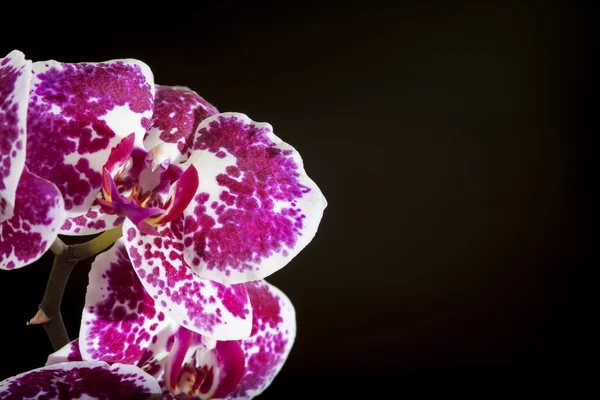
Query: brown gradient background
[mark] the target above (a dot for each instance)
(450, 141)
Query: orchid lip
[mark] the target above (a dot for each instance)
(136, 205)
(194, 381)
(217, 372)
(133, 208)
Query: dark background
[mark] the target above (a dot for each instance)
(451, 142)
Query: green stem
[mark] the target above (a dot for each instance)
(96, 245)
(65, 259)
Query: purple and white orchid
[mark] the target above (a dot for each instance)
(122, 324)
(208, 204)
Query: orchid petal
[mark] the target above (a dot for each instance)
(177, 113)
(77, 114)
(255, 207)
(15, 75)
(69, 352)
(39, 213)
(81, 380)
(273, 334)
(208, 308)
(120, 322)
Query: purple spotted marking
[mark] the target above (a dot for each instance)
(120, 322)
(38, 214)
(255, 207)
(208, 308)
(273, 334)
(84, 379)
(177, 113)
(15, 75)
(77, 113)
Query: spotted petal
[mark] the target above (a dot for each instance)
(177, 113)
(255, 207)
(81, 380)
(77, 114)
(120, 322)
(38, 214)
(273, 334)
(15, 75)
(208, 308)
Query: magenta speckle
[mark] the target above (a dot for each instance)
(130, 234)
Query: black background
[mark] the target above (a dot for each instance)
(451, 143)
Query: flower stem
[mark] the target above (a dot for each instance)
(96, 245)
(50, 306)
(65, 259)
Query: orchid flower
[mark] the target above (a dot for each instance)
(208, 204)
(206, 200)
(58, 125)
(121, 324)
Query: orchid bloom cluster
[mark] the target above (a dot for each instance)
(208, 205)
